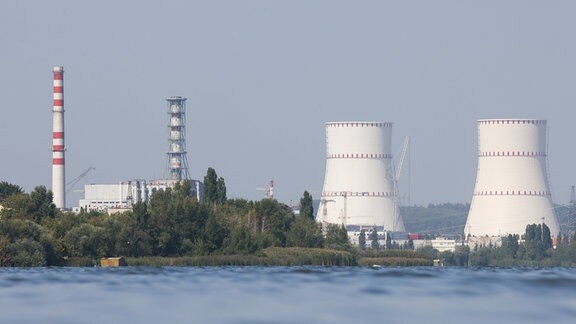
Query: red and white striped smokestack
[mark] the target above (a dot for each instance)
(58, 178)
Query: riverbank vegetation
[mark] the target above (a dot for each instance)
(393, 258)
(533, 249)
(172, 228)
(272, 256)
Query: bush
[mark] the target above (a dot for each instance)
(26, 253)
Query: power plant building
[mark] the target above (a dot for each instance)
(512, 188)
(101, 197)
(359, 186)
(122, 195)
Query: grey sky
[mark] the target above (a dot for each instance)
(262, 77)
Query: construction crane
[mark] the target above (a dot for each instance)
(405, 147)
(397, 174)
(572, 204)
(324, 202)
(70, 185)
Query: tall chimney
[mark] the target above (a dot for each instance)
(58, 174)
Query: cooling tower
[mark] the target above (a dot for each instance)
(358, 185)
(512, 187)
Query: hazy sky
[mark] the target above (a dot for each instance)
(262, 78)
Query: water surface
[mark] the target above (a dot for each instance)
(286, 295)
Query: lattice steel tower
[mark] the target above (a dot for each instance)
(177, 161)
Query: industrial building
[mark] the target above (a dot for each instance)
(102, 197)
(512, 188)
(359, 184)
(121, 196)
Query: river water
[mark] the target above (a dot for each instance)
(287, 295)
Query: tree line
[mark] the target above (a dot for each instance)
(533, 248)
(33, 232)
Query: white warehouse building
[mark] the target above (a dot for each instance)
(102, 197)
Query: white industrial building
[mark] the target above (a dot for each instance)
(359, 184)
(512, 188)
(122, 195)
(442, 244)
(102, 197)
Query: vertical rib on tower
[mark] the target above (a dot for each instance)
(512, 188)
(58, 149)
(358, 185)
(177, 160)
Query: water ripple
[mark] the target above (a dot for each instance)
(287, 294)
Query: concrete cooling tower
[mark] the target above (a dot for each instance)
(512, 187)
(358, 185)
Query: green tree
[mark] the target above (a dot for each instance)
(374, 239)
(17, 206)
(23, 243)
(221, 190)
(25, 253)
(510, 245)
(274, 219)
(461, 254)
(41, 204)
(306, 206)
(481, 257)
(35, 206)
(388, 240)
(175, 221)
(8, 189)
(211, 186)
(533, 243)
(85, 240)
(362, 239)
(410, 244)
(429, 251)
(546, 237)
(242, 241)
(336, 237)
(123, 236)
(305, 232)
(214, 234)
(140, 212)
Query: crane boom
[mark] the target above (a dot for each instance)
(70, 185)
(397, 178)
(402, 158)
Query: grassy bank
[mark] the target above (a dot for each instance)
(395, 262)
(394, 258)
(268, 257)
(291, 257)
(276, 256)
